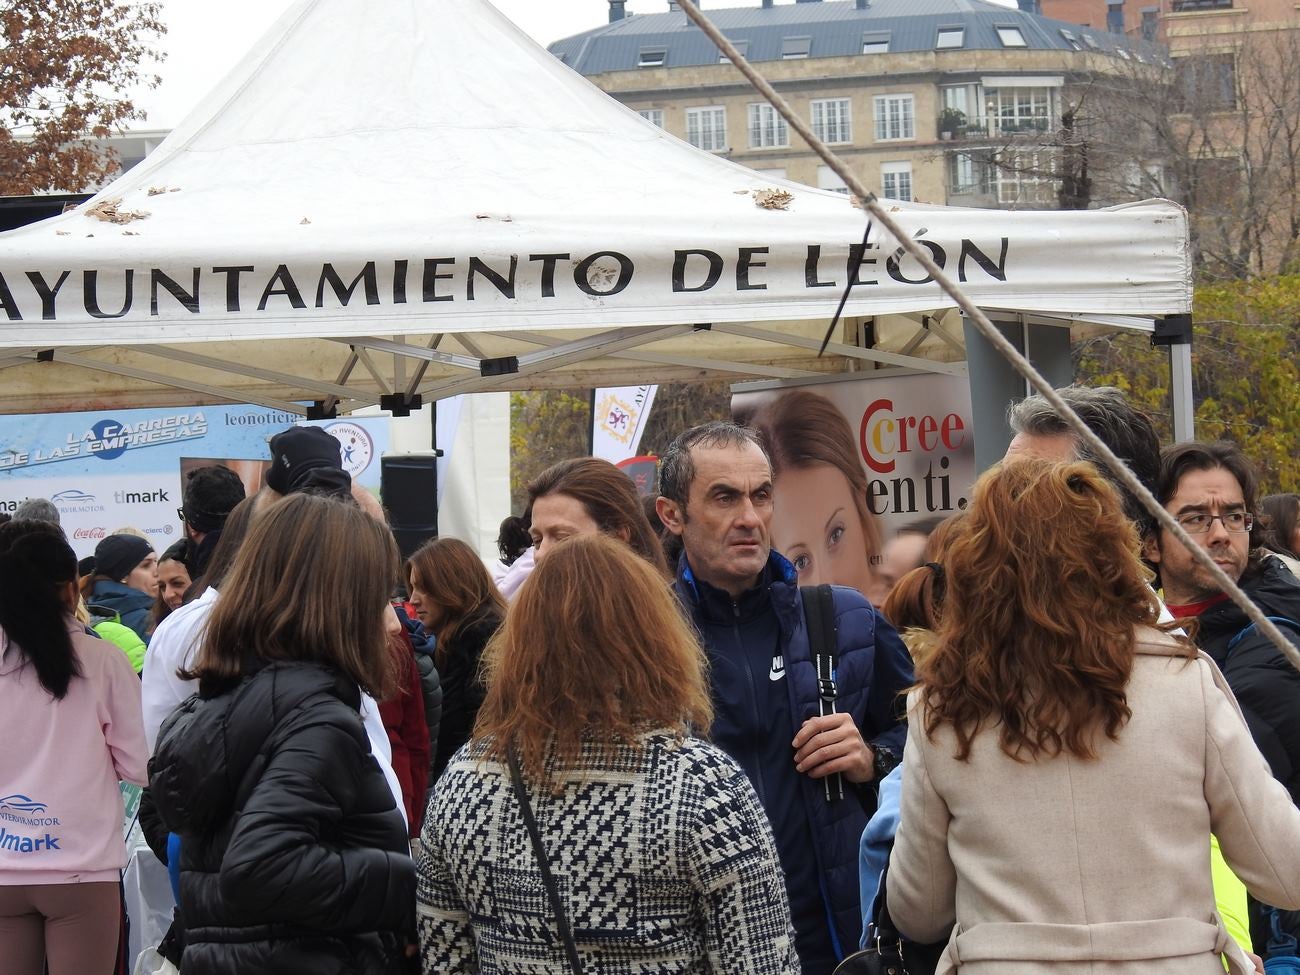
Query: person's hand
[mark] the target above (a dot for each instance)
(833, 744)
(1256, 961)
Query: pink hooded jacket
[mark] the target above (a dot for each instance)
(60, 762)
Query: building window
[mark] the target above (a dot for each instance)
(742, 48)
(1011, 37)
(875, 42)
(1207, 82)
(970, 174)
(795, 47)
(1026, 179)
(653, 57)
(1091, 42)
(949, 37)
(828, 179)
(832, 120)
(896, 181)
(706, 128)
(1070, 39)
(1115, 16)
(1150, 20)
(655, 116)
(895, 118)
(1015, 110)
(767, 130)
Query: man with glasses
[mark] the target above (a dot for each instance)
(1210, 490)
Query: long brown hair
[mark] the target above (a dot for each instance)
(610, 500)
(594, 651)
(801, 429)
(310, 583)
(1045, 588)
(456, 580)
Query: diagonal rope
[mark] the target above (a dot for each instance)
(871, 204)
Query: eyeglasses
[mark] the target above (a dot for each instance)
(1233, 521)
(180, 513)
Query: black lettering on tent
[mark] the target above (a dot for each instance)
(432, 277)
(503, 283)
(7, 301)
(232, 283)
(189, 299)
(581, 273)
(743, 265)
(344, 293)
(548, 271)
(399, 282)
(287, 287)
(997, 271)
(938, 253)
(857, 258)
(679, 270)
(91, 294)
(47, 293)
(811, 278)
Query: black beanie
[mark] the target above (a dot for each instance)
(211, 493)
(117, 555)
(303, 457)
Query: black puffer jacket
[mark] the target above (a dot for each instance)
(293, 855)
(462, 686)
(1266, 685)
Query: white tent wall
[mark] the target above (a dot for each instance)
(476, 493)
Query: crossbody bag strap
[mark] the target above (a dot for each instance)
(819, 615)
(552, 892)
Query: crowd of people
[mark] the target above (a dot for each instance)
(681, 736)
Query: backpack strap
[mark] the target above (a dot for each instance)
(1277, 620)
(819, 616)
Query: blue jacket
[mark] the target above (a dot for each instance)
(817, 840)
(131, 605)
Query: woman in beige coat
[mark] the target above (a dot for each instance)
(1067, 758)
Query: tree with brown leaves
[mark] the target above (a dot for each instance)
(66, 69)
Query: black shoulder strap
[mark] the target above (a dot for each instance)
(819, 616)
(552, 892)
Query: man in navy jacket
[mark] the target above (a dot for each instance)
(716, 494)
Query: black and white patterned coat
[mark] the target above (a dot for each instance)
(664, 860)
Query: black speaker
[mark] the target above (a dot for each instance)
(408, 486)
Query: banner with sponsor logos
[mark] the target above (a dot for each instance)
(911, 435)
(106, 471)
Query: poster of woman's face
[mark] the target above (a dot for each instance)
(854, 462)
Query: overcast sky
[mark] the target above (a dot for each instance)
(205, 40)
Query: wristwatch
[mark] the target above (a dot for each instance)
(885, 761)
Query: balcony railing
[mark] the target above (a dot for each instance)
(1182, 6)
(982, 128)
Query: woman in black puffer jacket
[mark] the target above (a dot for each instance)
(294, 858)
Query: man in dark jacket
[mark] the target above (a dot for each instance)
(1210, 489)
(716, 495)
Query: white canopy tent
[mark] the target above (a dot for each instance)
(413, 198)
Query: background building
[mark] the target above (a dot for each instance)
(939, 101)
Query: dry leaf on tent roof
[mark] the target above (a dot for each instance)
(129, 233)
(64, 233)
(157, 190)
(304, 220)
(741, 192)
(109, 212)
(773, 199)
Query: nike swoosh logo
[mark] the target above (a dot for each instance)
(778, 669)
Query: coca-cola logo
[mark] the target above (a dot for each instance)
(92, 534)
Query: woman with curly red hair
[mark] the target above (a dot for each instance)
(1067, 757)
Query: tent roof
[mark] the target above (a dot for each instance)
(383, 178)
